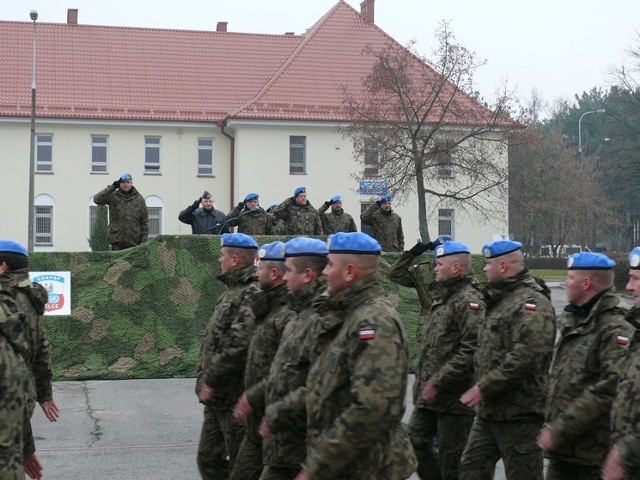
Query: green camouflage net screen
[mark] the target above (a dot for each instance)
(140, 313)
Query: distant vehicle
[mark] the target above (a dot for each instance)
(563, 250)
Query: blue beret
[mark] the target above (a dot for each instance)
(298, 191)
(251, 196)
(385, 198)
(589, 261)
(305, 247)
(353, 242)
(238, 240)
(634, 259)
(499, 248)
(13, 247)
(125, 177)
(272, 251)
(271, 207)
(336, 198)
(451, 248)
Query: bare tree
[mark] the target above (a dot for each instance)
(429, 131)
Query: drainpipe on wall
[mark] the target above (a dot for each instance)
(232, 164)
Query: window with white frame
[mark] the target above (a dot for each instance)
(155, 210)
(371, 158)
(205, 156)
(99, 153)
(43, 221)
(44, 152)
(446, 221)
(151, 154)
(93, 215)
(297, 155)
(443, 159)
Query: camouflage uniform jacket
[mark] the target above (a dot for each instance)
(250, 222)
(419, 276)
(356, 386)
(31, 299)
(625, 412)
(225, 341)
(128, 216)
(587, 363)
(288, 372)
(16, 437)
(386, 228)
(515, 345)
(447, 342)
(299, 220)
(212, 222)
(272, 314)
(333, 222)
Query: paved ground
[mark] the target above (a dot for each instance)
(132, 429)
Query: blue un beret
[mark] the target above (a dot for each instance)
(238, 240)
(589, 261)
(298, 191)
(272, 252)
(13, 247)
(125, 177)
(451, 248)
(251, 196)
(499, 248)
(634, 259)
(385, 198)
(353, 242)
(305, 247)
(336, 198)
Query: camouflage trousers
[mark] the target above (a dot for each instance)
(219, 443)
(279, 473)
(514, 442)
(248, 464)
(559, 470)
(452, 432)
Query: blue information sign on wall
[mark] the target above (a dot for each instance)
(373, 187)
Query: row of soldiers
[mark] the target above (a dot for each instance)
(25, 366)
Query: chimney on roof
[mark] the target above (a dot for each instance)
(72, 16)
(221, 27)
(367, 11)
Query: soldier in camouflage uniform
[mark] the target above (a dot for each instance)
(386, 225)
(586, 365)
(336, 220)
(16, 440)
(277, 226)
(284, 446)
(128, 215)
(511, 367)
(444, 371)
(223, 356)
(249, 217)
(272, 315)
(357, 383)
(299, 216)
(623, 461)
(30, 299)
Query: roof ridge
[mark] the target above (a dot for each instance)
(308, 36)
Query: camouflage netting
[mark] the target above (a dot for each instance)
(140, 313)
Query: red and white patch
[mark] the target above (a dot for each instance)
(367, 334)
(530, 306)
(622, 340)
(474, 306)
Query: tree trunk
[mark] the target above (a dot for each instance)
(422, 204)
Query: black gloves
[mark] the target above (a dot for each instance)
(420, 247)
(196, 203)
(242, 205)
(116, 184)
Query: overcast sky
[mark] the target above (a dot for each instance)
(559, 47)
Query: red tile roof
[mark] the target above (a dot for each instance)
(98, 72)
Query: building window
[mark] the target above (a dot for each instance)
(43, 227)
(205, 156)
(444, 163)
(44, 152)
(371, 158)
(99, 153)
(93, 212)
(297, 155)
(446, 221)
(155, 221)
(152, 154)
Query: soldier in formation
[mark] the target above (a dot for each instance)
(386, 225)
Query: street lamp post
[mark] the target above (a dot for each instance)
(599, 110)
(32, 146)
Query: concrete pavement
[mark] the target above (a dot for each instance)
(133, 429)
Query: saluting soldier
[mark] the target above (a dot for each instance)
(299, 216)
(336, 219)
(250, 217)
(386, 225)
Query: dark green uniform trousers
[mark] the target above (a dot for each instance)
(219, 443)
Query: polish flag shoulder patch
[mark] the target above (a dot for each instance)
(367, 333)
(622, 340)
(531, 307)
(474, 306)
